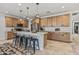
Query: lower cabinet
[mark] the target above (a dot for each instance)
(45, 40)
(65, 36)
(59, 36)
(10, 35)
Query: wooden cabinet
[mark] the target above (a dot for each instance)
(43, 22)
(65, 36)
(59, 20)
(53, 21)
(65, 20)
(49, 21)
(10, 35)
(36, 20)
(15, 21)
(12, 22)
(25, 23)
(9, 21)
(62, 20)
(59, 36)
(56, 21)
(49, 36)
(45, 40)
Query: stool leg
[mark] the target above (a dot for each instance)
(13, 42)
(26, 42)
(16, 40)
(20, 42)
(38, 44)
(34, 46)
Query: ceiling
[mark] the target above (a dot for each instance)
(45, 9)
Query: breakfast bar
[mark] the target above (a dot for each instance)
(39, 35)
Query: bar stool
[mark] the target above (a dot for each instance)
(27, 40)
(33, 42)
(22, 38)
(16, 40)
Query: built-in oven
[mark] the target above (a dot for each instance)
(76, 27)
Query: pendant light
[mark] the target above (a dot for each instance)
(20, 14)
(27, 17)
(37, 11)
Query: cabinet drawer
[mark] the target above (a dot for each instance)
(10, 35)
(65, 36)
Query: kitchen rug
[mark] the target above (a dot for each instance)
(8, 49)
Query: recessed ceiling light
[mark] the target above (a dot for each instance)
(27, 18)
(62, 6)
(6, 12)
(19, 4)
(48, 12)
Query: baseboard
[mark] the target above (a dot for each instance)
(61, 41)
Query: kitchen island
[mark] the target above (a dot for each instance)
(41, 36)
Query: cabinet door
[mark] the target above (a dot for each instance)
(36, 20)
(45, 40)
(58, 20)
(15, 21)
(65, 36)
(10, 35)
(43, 22)
(8, 21)
(53, 21)
(57, 36)
(66, 20)
(49, 21)
(53, 35)
(25, 23)
(49, 36)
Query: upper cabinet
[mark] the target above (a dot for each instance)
(25, 23)
(59, 20)
(66, 20)
(15, 21)
(56, 21)
(12, 22)
(9, 21)
(49, 21)
(35, 20)
(43, 22)
(53, 21)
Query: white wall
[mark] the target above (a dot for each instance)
(75, 18)
(2, 28)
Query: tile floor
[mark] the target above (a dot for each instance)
(59, 48)
(56, 48)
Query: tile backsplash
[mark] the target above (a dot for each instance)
(62, 29)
